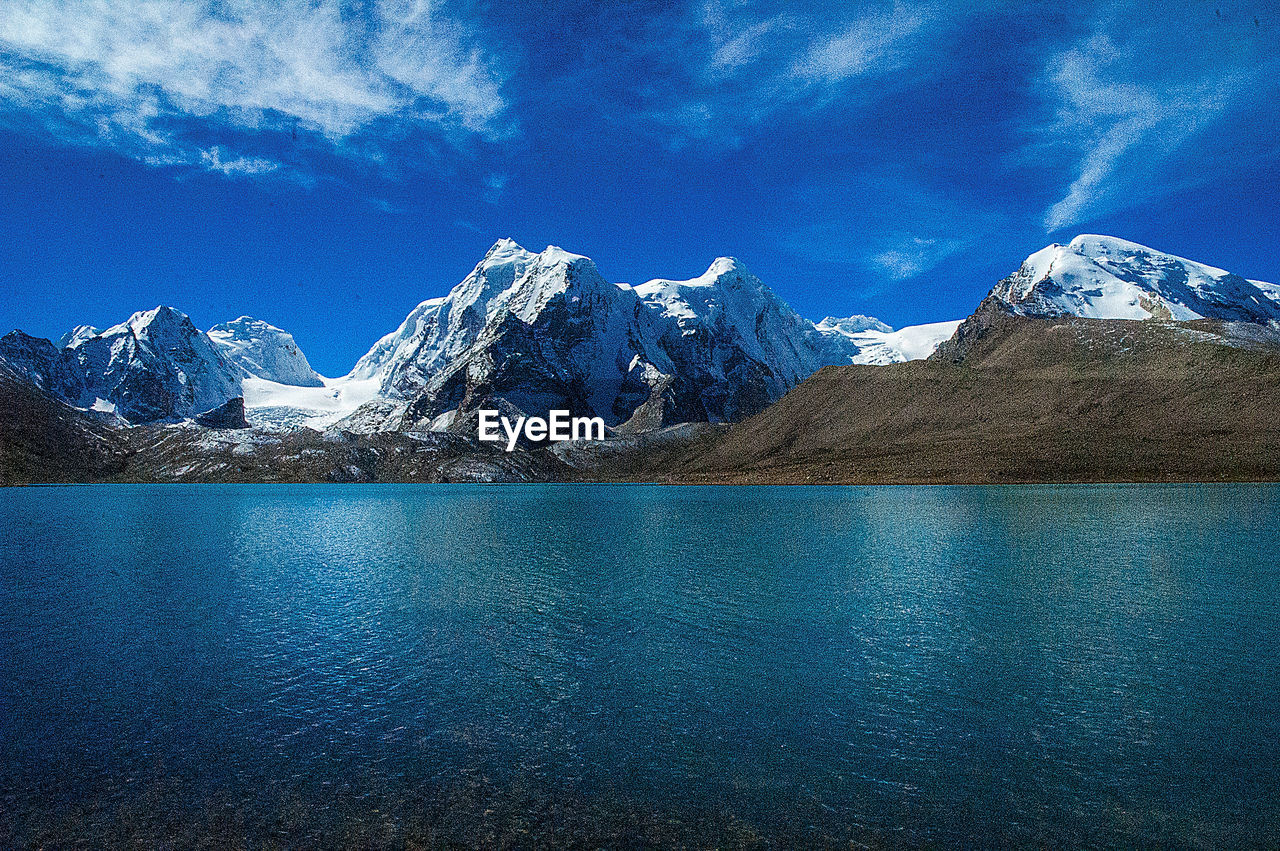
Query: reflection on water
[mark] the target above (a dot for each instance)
(382, 666)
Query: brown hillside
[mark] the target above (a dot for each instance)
(1023, 400)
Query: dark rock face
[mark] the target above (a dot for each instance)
(539, 332)
(45, 440)
(228, 415)
(556, 362)
(990, 313)
(43, 364)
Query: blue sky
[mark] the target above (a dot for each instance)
(326, 166)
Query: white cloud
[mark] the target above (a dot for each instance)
(873, 43)
(125, 73)
(745, 66)
(737, 49)
(915, 255)
(1120, 125)
(885, 228)
(212, 160)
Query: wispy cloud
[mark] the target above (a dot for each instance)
(914, 255)
(213, 160)
(742, 64)
(887, 228)
(874, 43)
(1124, 107)
(493, 186)
(143, 77)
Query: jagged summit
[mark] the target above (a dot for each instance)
(853, 324)
(77, 335)
(1103, 277)
(727, 313)
(156, 365)
(261, 350)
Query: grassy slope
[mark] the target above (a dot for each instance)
(1029, 400)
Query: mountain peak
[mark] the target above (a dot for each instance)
(853, 324)
(161, 316)
(554, 255)
(724, 266)
(243, 326)
(1105, 277)
(259, 349)
(504, 251)
(78, 335)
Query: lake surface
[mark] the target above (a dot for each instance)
(601, 665)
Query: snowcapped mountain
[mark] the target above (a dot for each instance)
(154, 366)
(877, 343)
(526, 331)
(261, 350)
(736, 342)
(1102, 277)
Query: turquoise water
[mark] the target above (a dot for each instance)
(563, 665)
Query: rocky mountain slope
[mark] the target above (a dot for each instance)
(43, 439)
(526, 332)
(735, 342)
(523, 331)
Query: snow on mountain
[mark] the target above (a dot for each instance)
(1271, 291)
(440, 329)
(536, 331)
(261, 350)
(1102, 277)
(77, 335)
(740, 344)
(155, 366)
(272, 406)
(877, 343)
(851, 325)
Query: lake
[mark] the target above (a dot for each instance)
(397, 665)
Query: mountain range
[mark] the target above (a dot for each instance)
(666, 364)
(524, 333)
